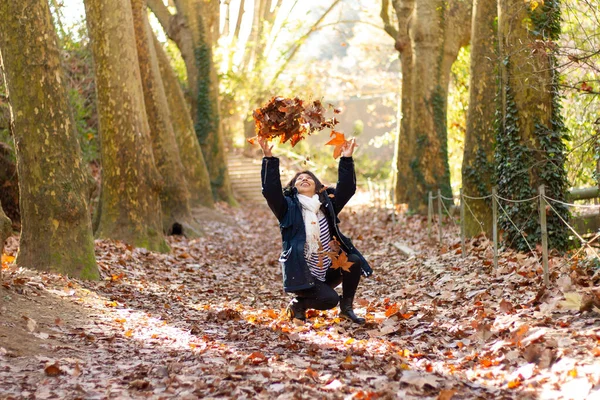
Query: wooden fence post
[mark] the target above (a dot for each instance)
(542, 191)
(439, 196)
(463, 245)
(495, 225)
(429, 214)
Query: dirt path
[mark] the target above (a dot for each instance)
(206, 322)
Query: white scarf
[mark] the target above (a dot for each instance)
(310, 207)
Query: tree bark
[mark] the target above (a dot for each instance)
(530, 150)
(405, 139)
(430, 34)
(190, 152)
(196, 22)
(477, 167)
(174, 195)
(129, 203)
(440, 29)
(56, 230)
(208, 121)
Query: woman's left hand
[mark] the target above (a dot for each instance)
(348, 147)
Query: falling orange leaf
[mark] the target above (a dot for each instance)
(342, 262)
(339, 140)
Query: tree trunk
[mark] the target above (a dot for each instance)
(405, 141)
(530, 150)
(438, 32)
(478, 167)
(191, 30)
(430, 33)
(129, 202)
(5, 229)
(190, 152)
(56, 230)
(207, 121)
(174, 195)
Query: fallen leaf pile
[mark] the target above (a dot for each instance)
(208, 321)
(290, 119)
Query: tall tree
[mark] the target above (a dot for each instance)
(529, 147)
(477, 167)
(56, 232)
(174, 195)
(192, 28)
(129, 204)
(405, 140)
(190, 152)
(437, 29)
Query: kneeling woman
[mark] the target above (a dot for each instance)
(308, 222)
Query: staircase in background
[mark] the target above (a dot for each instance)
(244, 173)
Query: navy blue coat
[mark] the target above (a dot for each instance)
(287, 209)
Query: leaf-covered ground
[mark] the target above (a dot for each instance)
(206, 321)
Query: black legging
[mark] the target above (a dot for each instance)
(323, 296)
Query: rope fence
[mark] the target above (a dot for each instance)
(546, 204)
(381, 195)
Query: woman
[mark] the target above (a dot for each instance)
(307, 214)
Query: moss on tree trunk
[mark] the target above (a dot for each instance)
(190, 152)
(130, 204)
(56, 232)
(429, 35)
(477, 167)
(195, 36)
(174, 194)
(439, 30)
(207, 121)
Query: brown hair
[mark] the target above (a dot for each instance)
(292, 183)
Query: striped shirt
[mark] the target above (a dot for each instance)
(319, 262)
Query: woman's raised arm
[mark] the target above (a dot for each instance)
(346, 184)
(271, 181)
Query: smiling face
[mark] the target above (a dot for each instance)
(305, 185)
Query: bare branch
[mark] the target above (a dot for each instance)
(385, 17)
(301, 40)
(238, 24)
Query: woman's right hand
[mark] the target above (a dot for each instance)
(264, 145)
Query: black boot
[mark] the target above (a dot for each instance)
(347, 312)
(296, 310)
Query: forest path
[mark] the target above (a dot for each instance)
(206, 321)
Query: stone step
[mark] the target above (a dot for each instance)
(244, 174)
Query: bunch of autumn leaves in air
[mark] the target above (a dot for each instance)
(290, 119)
